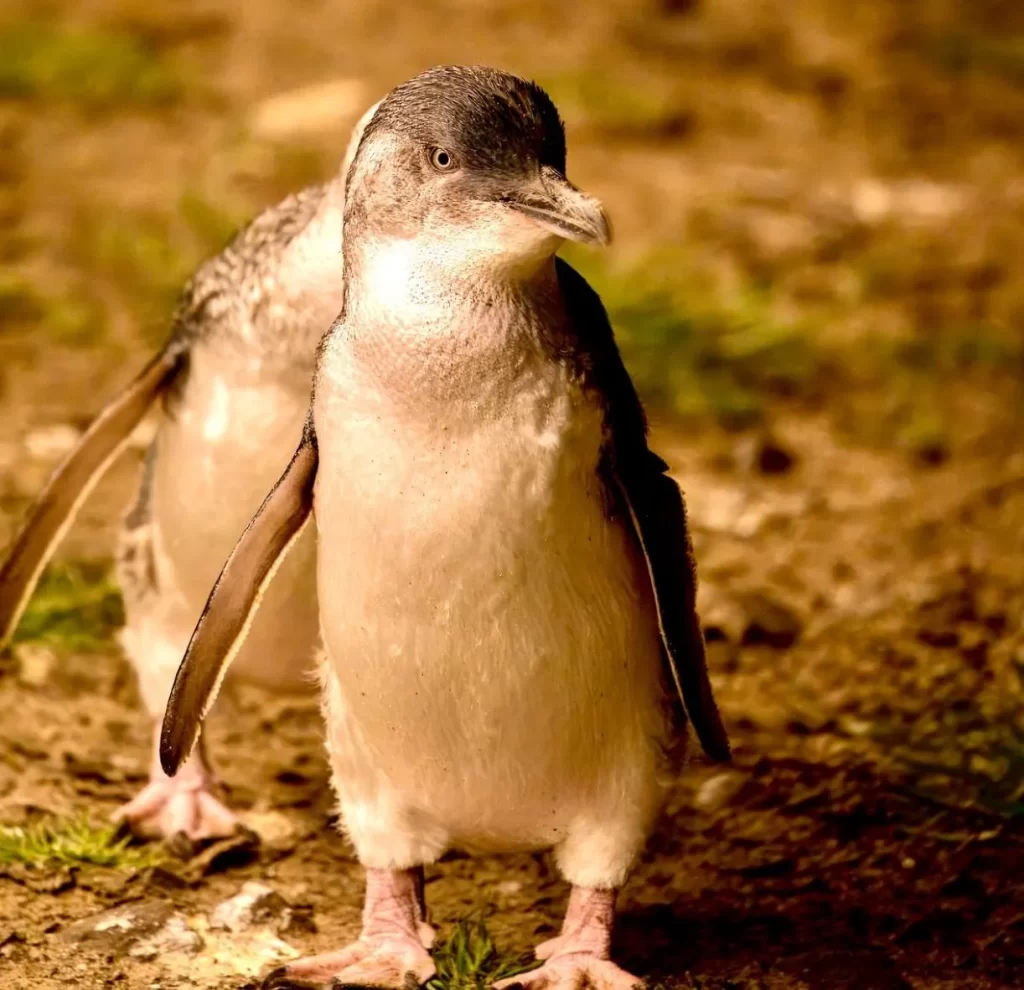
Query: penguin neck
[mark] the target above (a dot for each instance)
(437, 287)
(431, 333)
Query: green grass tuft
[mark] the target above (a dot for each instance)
(72, 842)
(88, 68)
(76, 607)
(468, 960)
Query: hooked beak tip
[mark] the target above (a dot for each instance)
(559, 207)
(603, 232)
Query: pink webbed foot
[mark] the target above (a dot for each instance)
(579, 956)
(392, 951)
(182, 805)
(574, 972)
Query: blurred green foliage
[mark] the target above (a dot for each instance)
(76, 606)
(88, 68)
(694, 353)
(150, 257)
(699, 353)
(960, 53)
(73, 319)
(619, 106)
(212, 226)
(72, 842)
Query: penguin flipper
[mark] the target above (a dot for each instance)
(658, 514)
(233, 601)
(70, 485)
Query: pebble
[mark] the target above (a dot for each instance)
(255, 904)
(143, 930)
(174, 936)
(717, 791)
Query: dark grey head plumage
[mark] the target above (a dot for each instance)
(490, 119)
(457, 137)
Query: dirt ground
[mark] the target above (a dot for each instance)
(862, 576)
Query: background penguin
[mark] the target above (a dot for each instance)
(235, 377)
(506, 587)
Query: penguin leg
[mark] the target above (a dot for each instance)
(391, 952)
(596, 857)
(183, 807)
(580, 956)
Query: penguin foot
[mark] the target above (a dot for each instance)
(392, 952)
(179, 807)
(578, 957)
(573, 971)
(395, 962)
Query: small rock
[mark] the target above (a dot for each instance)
(50, 443)
(35, 664)
(174, 936)
(319, 109)
(717, 791)
(770, 623)
(255, 904)
(115, 931)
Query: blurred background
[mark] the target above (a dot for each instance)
(817, 286)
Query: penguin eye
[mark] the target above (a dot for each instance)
(442, 160)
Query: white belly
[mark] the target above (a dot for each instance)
(493, 655)
(217, 460)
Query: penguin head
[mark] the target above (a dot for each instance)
(473, 160)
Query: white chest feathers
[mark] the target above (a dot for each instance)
(479, 608)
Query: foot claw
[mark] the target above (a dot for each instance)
(279, 980)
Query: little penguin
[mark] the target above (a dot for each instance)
(511, 646)
(235, 377)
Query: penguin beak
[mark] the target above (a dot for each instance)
(554, 204)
